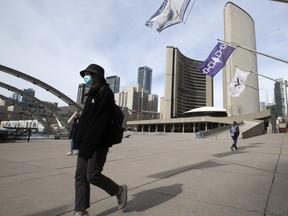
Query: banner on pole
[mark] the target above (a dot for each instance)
(217, 59)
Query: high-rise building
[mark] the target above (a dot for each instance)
(153, 103)
(16, 96)
(137, 100)
(280, 98)
(22, 99)
(186, 87)
(114, 83)
(30, 92)
(130, 97)
(239, 28)
(82, 90)
(145, 78)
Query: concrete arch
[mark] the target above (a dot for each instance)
(34, 115)
(41, 84)
(34, 99)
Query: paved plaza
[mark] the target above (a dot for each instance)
(166, 174)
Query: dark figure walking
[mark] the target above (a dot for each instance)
(234, 132)
(75, 119)
(93, 141)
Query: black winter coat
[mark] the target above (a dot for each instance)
(93, 128)
(74, 127)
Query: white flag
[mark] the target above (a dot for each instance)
(237, 86)
(171, 12)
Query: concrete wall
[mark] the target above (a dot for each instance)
(256, 130)
(168, 83)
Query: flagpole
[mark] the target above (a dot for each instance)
(272, 80)
(262, 75)
(189, 12)
(269, 56)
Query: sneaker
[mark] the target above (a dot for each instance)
(69, 153)
(122, 198)
(75, 153)
(80, 213)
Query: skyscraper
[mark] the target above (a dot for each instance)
(145, 78)
(82, 90)
(16, 96)
(153, 103)
(186, 87)
(280, 98)
(136, 99)
(23, 99)
(30, 92)
(114, 83)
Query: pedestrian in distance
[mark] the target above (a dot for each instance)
(75, 117)
(93, 139)
(234, 132)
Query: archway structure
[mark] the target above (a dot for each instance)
(41, 84)
(34, 115)
(34, 99)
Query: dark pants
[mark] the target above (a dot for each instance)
(89, 171)
(234, 145)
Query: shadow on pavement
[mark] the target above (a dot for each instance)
(168, 173)
(145, 200)
(239, 151)
(54, 211)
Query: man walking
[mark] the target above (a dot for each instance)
(93, 141)
(234, 132)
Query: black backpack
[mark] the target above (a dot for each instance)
(116, 126)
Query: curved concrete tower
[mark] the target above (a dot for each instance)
(186, 87)
(239, 28)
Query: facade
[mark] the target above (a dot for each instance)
(2, 102)
(12, 112)
(280, 98)
(186, 87)
(239, 28)
(16, 96)
(138, 101)
(30, 92)
(205, 125)
(114, 83)
(23, 99)
(153, 103)
(145, 78)
(82, 90)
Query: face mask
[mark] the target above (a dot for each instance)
(88, 79)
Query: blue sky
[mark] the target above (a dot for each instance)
(53, 40)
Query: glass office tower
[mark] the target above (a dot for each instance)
(145, 78)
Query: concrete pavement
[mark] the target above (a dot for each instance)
(166, 174)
